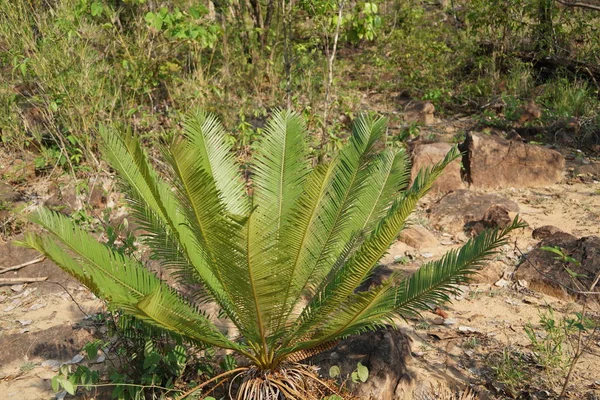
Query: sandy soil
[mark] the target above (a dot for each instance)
(43, 321)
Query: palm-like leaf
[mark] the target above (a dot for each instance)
(298, 233)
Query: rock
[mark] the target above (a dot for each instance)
(591, 170)
(545, 231)
(97, 198)
(492, 161)
(420, 111)
(64, 200)
(425, 155)
(438, 321)
(529, 112)
(418, 237)
(20, 170)
(8, 194)
(502, 283)
(54, 365)
(383, 352)
(464, 206)
(545, 271)
(495, 217)
(76, 359)
(467, 329)
(491, 273)
(56, 343)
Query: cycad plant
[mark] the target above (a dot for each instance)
(282, 253)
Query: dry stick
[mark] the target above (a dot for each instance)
(25, 264)
(330, 61)
(23, 280)
(224, 374)
(579, 350)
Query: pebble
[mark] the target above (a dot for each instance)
(54, 365)
(502, 283)
(447, 242)
(78, 358)
(427, 255)
(14, 304)
(17, 288)
(37, 306)
(438, 321)
(511, 302)
(24, 322)
(449, 321)
(467, 329)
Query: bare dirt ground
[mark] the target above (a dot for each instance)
(465, 343)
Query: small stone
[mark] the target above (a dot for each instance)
(441, 313)
(427, 255)
(418, 353)
(449, 321)
(78, 358)
(101, 358)
(438, 321)
(54, 365)
(467, 329)
(17, 288)
(14, 304)
(447, 242)
(511, 302)
(523, 283)
(37, 306)
(24, 322)
(502, 283)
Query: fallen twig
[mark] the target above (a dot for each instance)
(4, 281)
(25, 264)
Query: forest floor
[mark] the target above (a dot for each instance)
(480, 339)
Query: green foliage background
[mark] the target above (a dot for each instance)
(66, 66)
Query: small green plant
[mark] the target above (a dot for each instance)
(184, 25)
(550, 347)
(363, 23)
(26, 367)
(471, 343)
(509, 369)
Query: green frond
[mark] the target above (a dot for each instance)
(279, 168)
(157, 210)
(434, 281)
(219, 239)
(206, 133)
(336, 210)
(122, 281)
(341, 283)
(390, 178)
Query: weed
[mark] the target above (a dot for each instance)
(471, 343)
(509, 369)
(26, 367)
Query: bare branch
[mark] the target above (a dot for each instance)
(10, 281)
(16, 267)
(580, 5)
